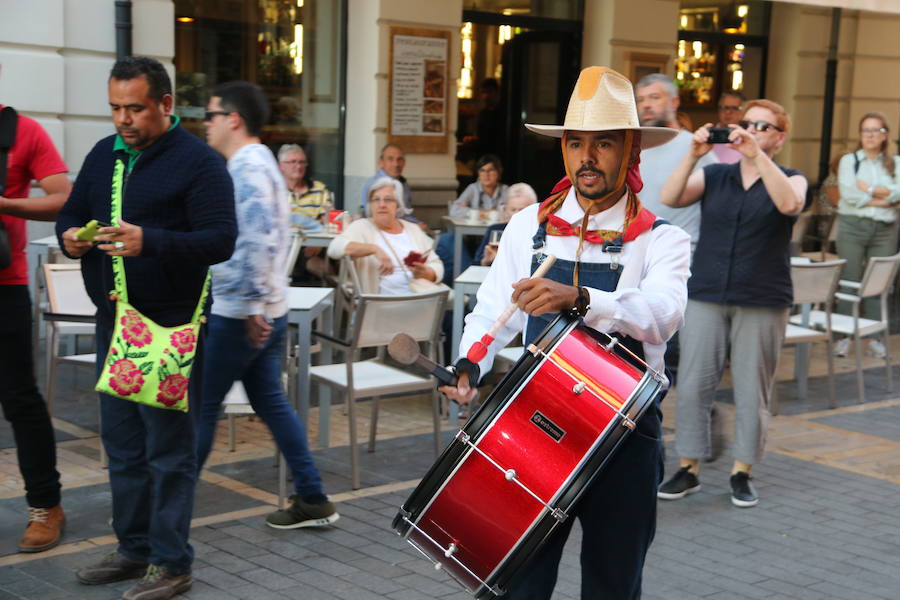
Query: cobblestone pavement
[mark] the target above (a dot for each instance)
(827, 527)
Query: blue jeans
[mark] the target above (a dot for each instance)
(152, 470)
(229, 358)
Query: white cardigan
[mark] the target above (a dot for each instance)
(364, 231)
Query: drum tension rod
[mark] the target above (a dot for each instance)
(447, 553)
(510, 475)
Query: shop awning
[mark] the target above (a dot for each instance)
(884, 6)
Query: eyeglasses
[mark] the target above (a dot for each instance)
(873, 131)
(724, 107)
(762, 126)
(208, 115)
(294, 162)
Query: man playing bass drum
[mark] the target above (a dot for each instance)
(589, 223)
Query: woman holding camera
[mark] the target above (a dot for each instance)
(869, 183)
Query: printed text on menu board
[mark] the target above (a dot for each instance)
(419, 86)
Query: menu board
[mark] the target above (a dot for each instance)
(419, 85)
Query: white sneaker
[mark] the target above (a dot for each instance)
(842, 347)
(876, 349)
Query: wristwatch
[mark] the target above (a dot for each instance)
(582, 301)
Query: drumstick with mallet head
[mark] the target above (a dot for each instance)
(478, 350)
(405, 350)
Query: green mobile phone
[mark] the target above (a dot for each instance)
(88, 232)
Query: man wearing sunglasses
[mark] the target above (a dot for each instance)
(739, 292)
(731, 104)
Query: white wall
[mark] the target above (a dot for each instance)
(55, 57)
(868, 59)
(432, 176)
(55, 67)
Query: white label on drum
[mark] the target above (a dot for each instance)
(547, 426)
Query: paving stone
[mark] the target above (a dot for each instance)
(229, 562)
(219, 578)
(306, 593)
(237, 547)
(268, 579)
(370, 581)
(329, 566)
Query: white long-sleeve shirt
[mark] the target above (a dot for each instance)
(253, 281)
(854, 200)
(650, 313)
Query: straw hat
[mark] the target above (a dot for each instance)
(603, 100)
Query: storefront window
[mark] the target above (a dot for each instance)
(721, 47)
(291, 48)
(550, 9)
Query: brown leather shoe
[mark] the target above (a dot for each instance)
(159, 584)
(111, 568)
(45, 527)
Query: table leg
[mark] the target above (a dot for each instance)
(457, 253)
(302, 386)
(459, 302)
(801, 369)
(324, 390)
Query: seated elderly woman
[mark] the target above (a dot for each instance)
(392, 256)
(521, 195)
(485, 194)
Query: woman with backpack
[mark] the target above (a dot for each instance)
(869, 183)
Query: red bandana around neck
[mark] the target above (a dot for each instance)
(637, 218)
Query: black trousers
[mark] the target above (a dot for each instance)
(23, 405)
(618, 520)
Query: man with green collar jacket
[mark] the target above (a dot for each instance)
(177, 219)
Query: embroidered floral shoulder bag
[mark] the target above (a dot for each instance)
(146, 362)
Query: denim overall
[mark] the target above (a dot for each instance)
(618, 511)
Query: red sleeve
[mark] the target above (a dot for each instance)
(43, 159)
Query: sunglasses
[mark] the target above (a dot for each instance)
(759, 125)
(208, 115)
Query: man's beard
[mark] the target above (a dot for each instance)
(654, 121)
(139, 141)
(591, 195)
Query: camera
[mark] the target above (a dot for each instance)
(719, 135)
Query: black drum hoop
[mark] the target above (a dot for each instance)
(646, 393)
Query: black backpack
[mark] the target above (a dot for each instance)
(8, 122)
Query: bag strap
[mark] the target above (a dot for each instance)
(118, 263)
(9, 121)
(402, 264)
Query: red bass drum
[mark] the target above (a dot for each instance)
(516, 469)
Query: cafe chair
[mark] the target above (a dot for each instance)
(297, 238)
(814, 286)
(66, 296)
(798, 233)
(876, 281)
(376, 320)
